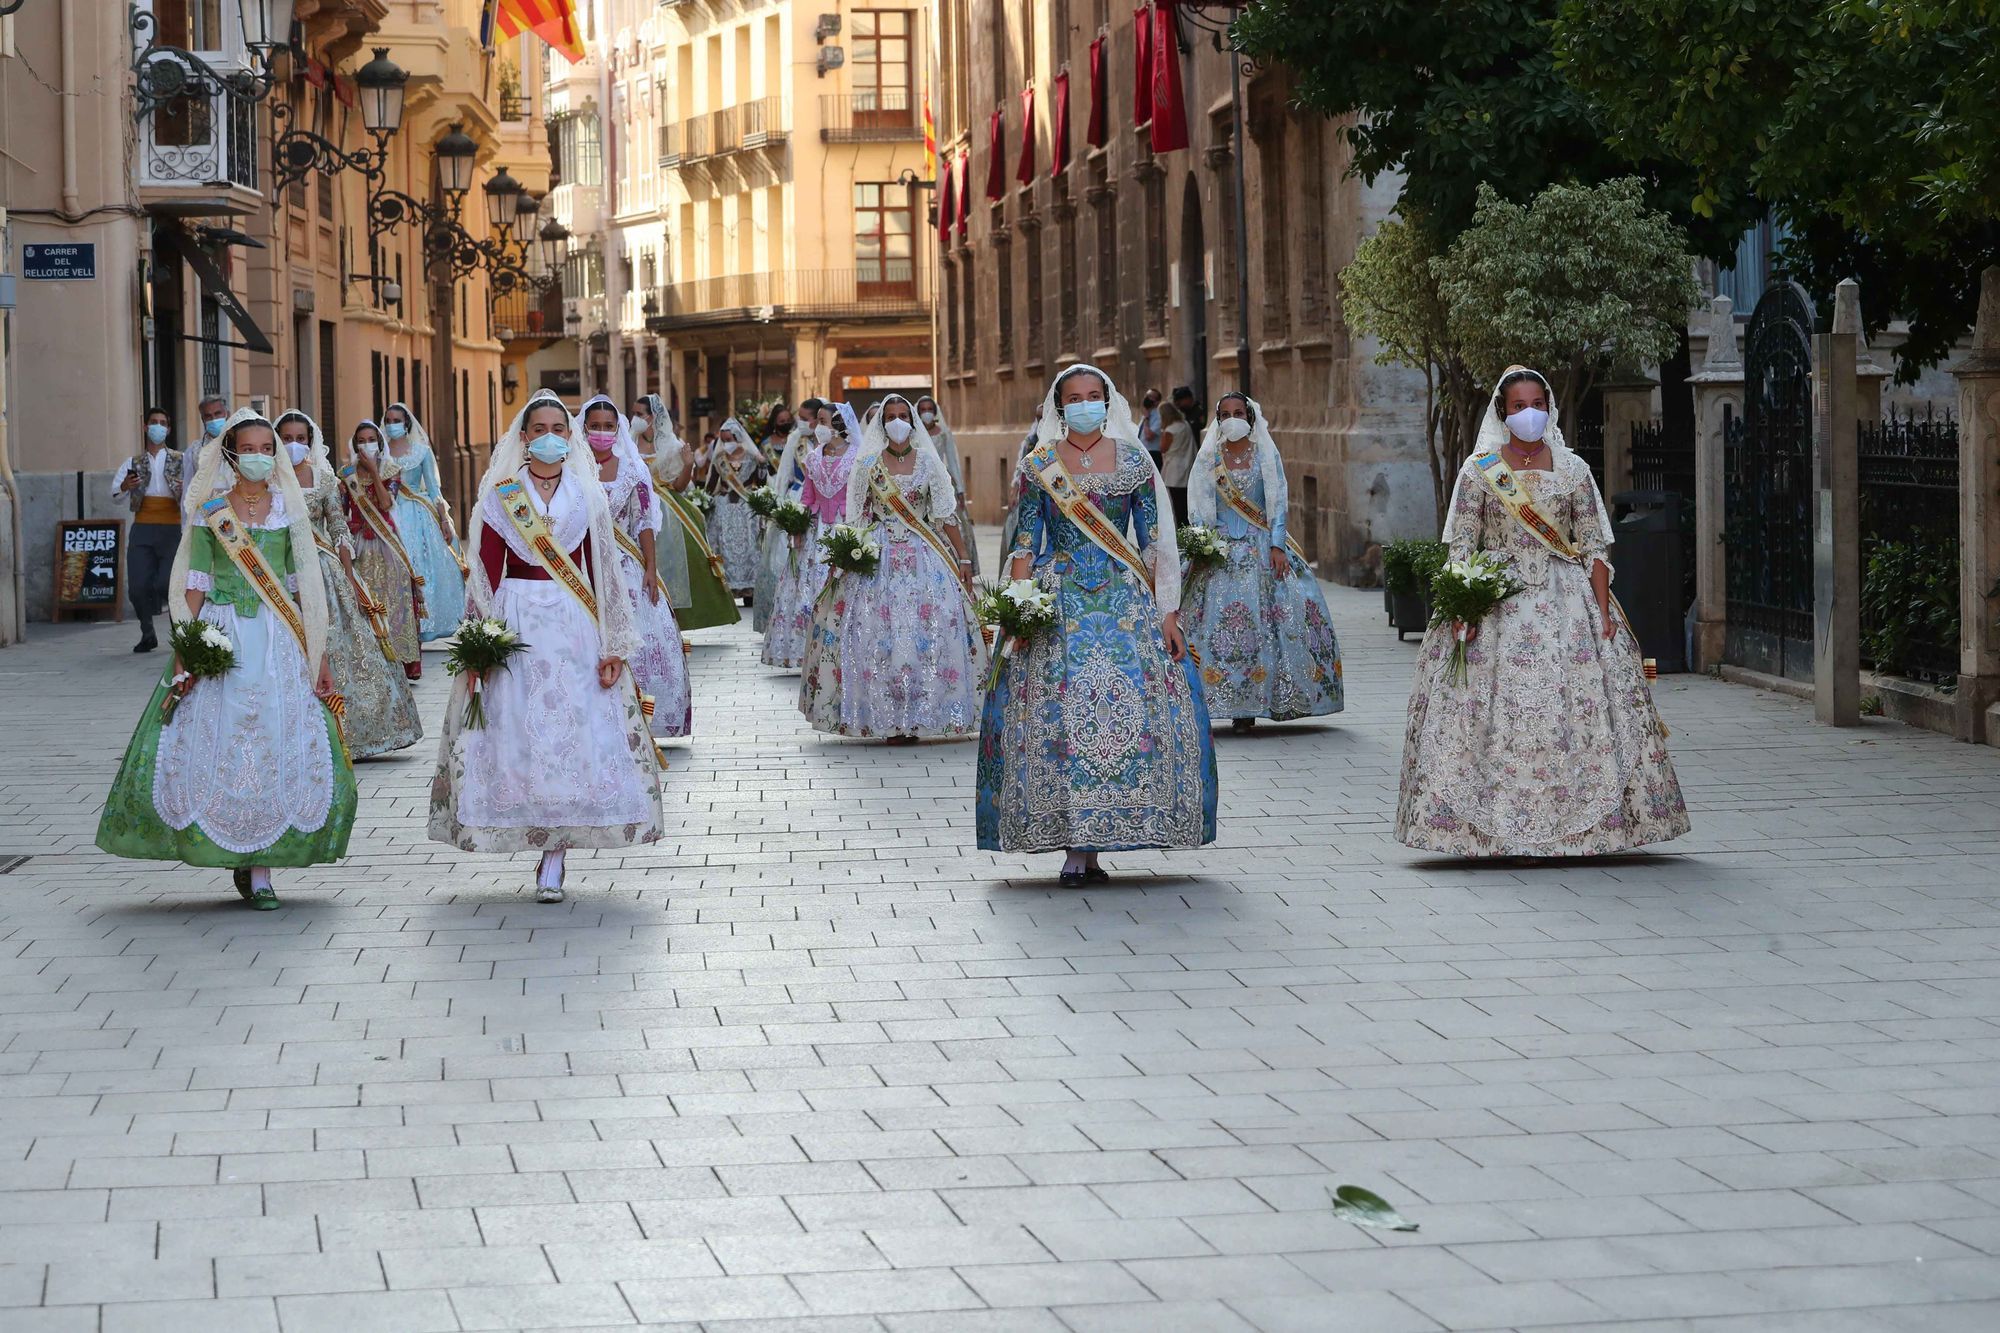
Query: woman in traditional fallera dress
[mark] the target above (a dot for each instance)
(249, 771)
(825, 465)
(931, 417)
(564, 758)
(380, 557)
(734, 466)
(1095, 737)
(1551, 746)
(423, 518)
(658, 662)
(381, 712)
(898, 653)
(1258, 623)
(774, 561)
(688, 564)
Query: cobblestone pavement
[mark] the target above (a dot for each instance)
(815, 1065)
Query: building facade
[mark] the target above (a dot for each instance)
(1072, 251)
(207, 275)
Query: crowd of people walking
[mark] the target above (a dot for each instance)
(1152, 548)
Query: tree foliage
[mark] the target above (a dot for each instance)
(1872, 128)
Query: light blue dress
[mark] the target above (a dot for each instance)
(417, 489)
(1093, 738)
(1266, 644)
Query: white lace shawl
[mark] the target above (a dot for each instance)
(614, 608)
(311, 592)
(874, 439)
(1493, 435)
(1203, 500)
(1162, 554)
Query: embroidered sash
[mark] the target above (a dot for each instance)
(384, 530)
(365, 602)
(1046, 467)
(1514, 498)
(891, 495)
(1225, 488)
(436, 509)
(720, 466)
(631, 548)
(534, 530)
(694, 532)
(236, 544)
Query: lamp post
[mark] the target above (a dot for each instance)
(295, 153)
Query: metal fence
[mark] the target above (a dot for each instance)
(890, 290)
(1908, 481)
(1663, 460)
(1587, 442)
(880, 115)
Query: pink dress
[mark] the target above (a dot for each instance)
(825, 495)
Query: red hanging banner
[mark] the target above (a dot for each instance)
(1025, 172)
(1142, 80)
(1169, 130)
(1060, 131)
(964, 194)
(996, 155)
(947, 209)
(1095, 131)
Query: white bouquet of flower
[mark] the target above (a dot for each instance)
(850, 550)
(203, 652)
(1018, 610)
(1463, 593)
(1201, 547)
(480, 646)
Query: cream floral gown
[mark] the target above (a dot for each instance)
(1552, 746)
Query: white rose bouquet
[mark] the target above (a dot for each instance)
(1018, 610)
(850, 550)
(1201, 547)
(203, 652)
(1463, 593)
(480, 646)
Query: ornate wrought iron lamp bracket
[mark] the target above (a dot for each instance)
(162, 72)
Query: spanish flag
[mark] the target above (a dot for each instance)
(554, 21)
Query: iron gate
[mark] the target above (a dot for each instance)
(1768, 531)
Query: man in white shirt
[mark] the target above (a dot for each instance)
(152, 483)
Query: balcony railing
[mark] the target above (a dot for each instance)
(734, 129)
(523, 313)
(763, 123)
(200, 140)
(881, 115)
(670, 146)
(885, 290)
(514, 106)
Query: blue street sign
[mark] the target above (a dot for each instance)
(66, 263)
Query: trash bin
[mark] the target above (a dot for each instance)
(1648, 583)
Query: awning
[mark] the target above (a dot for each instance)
(207, 265)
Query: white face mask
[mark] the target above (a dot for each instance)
(297, 451)
(1234, 429)
(897, 430)
(930, 418)
(1529, 424)
(824, 434)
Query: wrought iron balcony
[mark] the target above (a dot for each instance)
(883, 115)
(735, 129)
(526, 314)
(763, 123)
(199, 139)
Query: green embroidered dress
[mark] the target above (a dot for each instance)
(250, 771)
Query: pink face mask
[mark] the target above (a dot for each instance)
(601, 440)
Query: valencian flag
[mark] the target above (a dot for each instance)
(554, 21)
(930, 136)
(947, 201)
(1169, 130)
(1095, 131)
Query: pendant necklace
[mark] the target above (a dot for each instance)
(1085, 453)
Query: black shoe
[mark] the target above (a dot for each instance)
(1096, 875)
(242, 877)
(1072, 879)
(148, 641)
(1242, 724)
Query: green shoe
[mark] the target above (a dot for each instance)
(264, 900)
(242, 877)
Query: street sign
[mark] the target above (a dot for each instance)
(59, 263)
(89, 572)
(702, 407)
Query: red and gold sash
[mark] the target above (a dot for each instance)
(1514, 498)
(534, 530)
(1046, 467)
(1226, 489)
(631, 548)
(236, 544)
(384, 530)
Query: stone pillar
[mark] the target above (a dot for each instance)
(1978, 376)
(1627, 403)
(1718, 397)
(1837, 516)
(1871, 376)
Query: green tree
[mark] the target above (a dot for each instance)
(1872, 128)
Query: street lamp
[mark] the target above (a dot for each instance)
(381, 82)
(502, 194)
(526, 209)
(267, 25)
(555, 244)
(456, 154)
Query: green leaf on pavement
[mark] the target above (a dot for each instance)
(1365, 1208)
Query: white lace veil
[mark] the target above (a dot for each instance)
(946, 440)
(868, 460)
(285, 484)
(1203, 501)
(316, 440)
(1493, 436)
(627, 450)
(614, 609)
(354, 448)
(845, 411)
(670, 547)
(1162, 554)
(417, 436)
(666, 444)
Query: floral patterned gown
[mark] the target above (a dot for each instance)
(388, 577)
(732, 528)
(658, 664)
(381, 712)
(417, 490)
(1552, 746)
(1266, 643)
(824, 493)
(896, 652)
(1093, 738)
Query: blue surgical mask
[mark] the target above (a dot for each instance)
(397, 430)
(156, 434)
(548, 448)
(256, 467)
(1085, 417)
(214, 428)
(1529, 424)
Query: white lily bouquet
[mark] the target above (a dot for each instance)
(203, 651)
(850, 550)
(480, 646)
(700, 499)
(1018, 610)
(1463, 593)
(1201, 547)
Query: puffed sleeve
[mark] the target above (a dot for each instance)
(1591, 523)
(1466, 518)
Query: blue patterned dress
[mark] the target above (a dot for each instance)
(1266, 643)
(417, 490)
(1093, 738)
